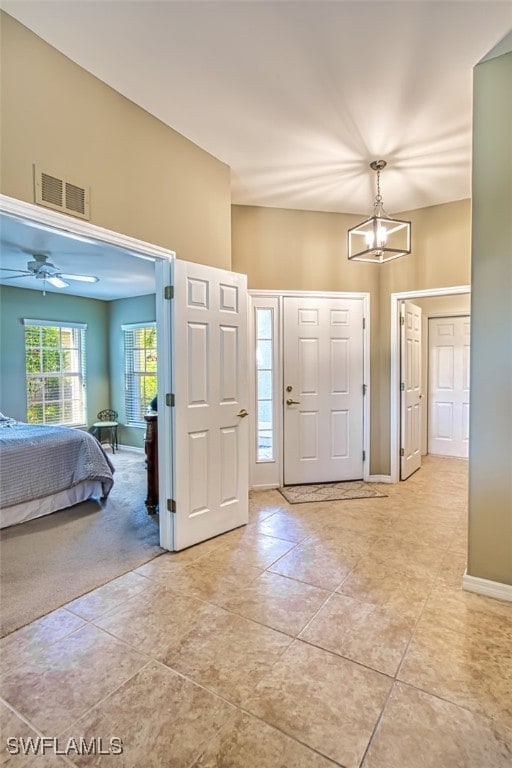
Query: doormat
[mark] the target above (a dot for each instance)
(353, 489)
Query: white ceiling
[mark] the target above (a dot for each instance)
(121, 273)
(296, 97)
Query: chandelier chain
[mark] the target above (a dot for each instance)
(378, 199)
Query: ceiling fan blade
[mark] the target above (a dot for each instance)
(21, 272)
(16, 277)
(79, 278)
(56, 281)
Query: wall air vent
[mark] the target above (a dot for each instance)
(60, 194)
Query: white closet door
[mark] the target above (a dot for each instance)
(448, 399)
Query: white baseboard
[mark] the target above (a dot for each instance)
(264, 487)
(379, 479)
(131, 448)
(486, 587)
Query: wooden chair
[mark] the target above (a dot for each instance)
(105, 429)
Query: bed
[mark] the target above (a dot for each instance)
(45, 468)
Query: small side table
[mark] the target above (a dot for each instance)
(106, 431)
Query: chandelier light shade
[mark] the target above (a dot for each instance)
(380, 238)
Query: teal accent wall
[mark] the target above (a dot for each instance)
(19, 303)
(104, 348)
(139, 309)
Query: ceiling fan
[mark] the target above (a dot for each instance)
(42, 269)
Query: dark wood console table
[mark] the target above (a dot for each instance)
(151, 450)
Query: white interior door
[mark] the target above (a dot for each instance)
(323, 389)
(448, 394)
(211, 447)
(410, 386)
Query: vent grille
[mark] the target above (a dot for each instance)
(60, 194)
(51, 190)
(75, 198)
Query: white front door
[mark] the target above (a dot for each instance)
(448, 395)
(323, 389)
(410, 386)
(211, 446)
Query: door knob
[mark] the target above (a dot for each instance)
(292, 402)
(243, 413)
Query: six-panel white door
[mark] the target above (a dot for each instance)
(448, 426)
(211, 457)
(410, 378)
(323, 382)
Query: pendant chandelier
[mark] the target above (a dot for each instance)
(380, 238)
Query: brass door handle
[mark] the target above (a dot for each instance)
(292, 402)
(243, 413)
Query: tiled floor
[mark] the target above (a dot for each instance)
(332, 634)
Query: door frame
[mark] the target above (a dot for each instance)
(73, 228)
(277, 297)
(396, 299)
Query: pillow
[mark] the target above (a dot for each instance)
(6, 421)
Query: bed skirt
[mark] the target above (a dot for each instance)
(27, 510)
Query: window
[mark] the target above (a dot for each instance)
(264, 386)
(55, 372)
(140, 370)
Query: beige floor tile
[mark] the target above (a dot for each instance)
(422, 731)
(191, 554)
(343, 541)
(227, 654)
(328, 703)
(278, 602)
(289, 527)
(368, 634)
(211, 578)
(467, 612)
(155, 622)
(407, 557)
(375, 583)
(249, 547)
(160, 718)
(315, 563)
(270, 501)
(469, 669)
(452, 569)
(14, 737)
(245, 742)
(65, 679)
(107, 597)
(368, 517)
(21, 646)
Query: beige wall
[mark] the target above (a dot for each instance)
(281, 249)
(490, 457)
(146, 180)
(440, 258)
(305, 250)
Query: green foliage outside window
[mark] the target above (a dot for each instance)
(57, 398)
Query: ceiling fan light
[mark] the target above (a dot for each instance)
(56, 281)
(81, 278)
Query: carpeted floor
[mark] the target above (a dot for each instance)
(353, 489)
(47, 562)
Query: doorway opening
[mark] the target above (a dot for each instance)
(448, 295)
